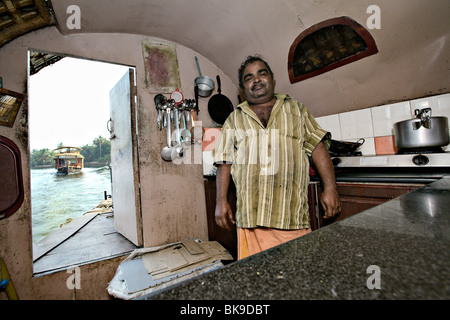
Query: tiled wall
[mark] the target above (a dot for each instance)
(375, 124)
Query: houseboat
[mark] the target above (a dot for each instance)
(68, 160)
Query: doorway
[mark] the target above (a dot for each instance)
(69, 106)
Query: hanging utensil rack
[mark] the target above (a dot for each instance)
(182, 115)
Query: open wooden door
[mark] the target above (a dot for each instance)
(124, 159)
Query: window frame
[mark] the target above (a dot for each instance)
(359, 29)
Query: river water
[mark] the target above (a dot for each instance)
(54, 199)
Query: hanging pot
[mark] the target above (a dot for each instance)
(205, 84)
(219, 106)
(422, 132)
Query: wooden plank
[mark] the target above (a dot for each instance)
(58, 236)
(95, 241)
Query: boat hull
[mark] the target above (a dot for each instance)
(68, 171)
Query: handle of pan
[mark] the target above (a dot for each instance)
(361, 141)
(196, 99)
(218, 83)
(198, 66)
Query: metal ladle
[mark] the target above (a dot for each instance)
(160, 103)
(183, 109)
(178, 150)
(169, 152)
(166, 153)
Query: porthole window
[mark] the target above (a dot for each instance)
(327, 46)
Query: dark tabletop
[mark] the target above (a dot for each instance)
(401, 245)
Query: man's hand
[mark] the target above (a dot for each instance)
(224, 215)
(330, 197)
(331, 202)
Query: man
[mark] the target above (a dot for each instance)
(264, 145)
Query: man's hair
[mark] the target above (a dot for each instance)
(251, 59)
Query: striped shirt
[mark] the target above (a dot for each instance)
(270, 165)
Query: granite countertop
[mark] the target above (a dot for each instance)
(401, 246)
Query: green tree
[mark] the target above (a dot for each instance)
(98, 151)
(41, 157)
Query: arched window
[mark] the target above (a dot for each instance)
(327, 46)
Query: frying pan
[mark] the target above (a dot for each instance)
(219, 106)
(344, 147)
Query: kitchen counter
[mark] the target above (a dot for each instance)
(382, 175)
(389, 175)
(401, 245)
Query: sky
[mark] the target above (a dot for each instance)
(69, 102)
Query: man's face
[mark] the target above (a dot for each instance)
(259, 85)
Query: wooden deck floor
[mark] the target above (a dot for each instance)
(87, 239)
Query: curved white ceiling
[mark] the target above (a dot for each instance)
(413, 41)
